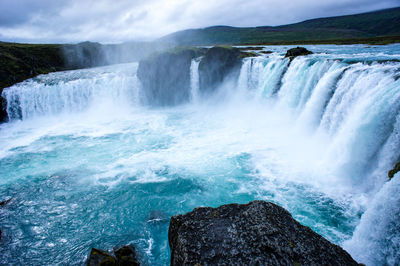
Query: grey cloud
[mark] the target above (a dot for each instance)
(123, 20)
(16, 12)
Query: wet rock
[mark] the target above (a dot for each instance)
(266, 52)
(3, 111)
(100, 257)
(5, 202)
(166, 76)
(298, 51)
(124, 256)
(218, 63)
(257, 233)
(394, 171)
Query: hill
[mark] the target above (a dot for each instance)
(381, 26)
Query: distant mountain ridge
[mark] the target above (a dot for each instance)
(377, 24)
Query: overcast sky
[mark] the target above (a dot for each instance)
(113, 21)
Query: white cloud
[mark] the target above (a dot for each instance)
(124, 20)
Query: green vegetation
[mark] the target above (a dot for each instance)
(394, 171)
(379, 27)
(21, 61)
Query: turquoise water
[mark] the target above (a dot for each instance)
(87, 165)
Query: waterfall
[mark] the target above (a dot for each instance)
(353, 106)
(357, 105)
(376, 239)
(72, 91)
(194, 80)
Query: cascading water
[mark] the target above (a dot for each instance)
(316, 135)
(357, 106)
(194, 80)
(75, 91)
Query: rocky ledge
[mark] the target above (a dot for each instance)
(298, 51)
(257, 233)
(394, 171)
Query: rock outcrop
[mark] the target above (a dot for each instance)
(125, 255)
(257, 233)
(219, 63)
(165, 77)
(100, 257)
(5, 202)
(298, 51)
(394, 171)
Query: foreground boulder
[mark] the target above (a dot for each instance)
(257, 233)
(219, 63)
(297, 52)
(125, 255)
(165, 77)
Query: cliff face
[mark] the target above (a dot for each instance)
(166, 76)
(258, 233)
(217, 65)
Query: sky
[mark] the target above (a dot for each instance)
(115, 21)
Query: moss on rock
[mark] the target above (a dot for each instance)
(394, 171)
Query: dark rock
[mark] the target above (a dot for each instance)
(126, 256)
(218, 64)
(266, 52)
(298, 51)
(4, 202)
(0, 234)
(3, 111)
(257, 233)
(394, 171)
(166, 76)
(100, 257)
